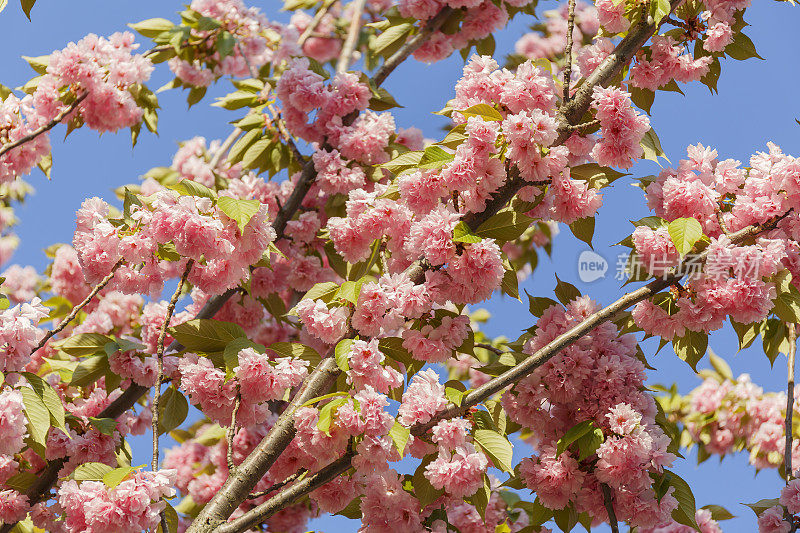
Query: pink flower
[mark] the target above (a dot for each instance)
(423, 398)
(771, 521)
(327, 324)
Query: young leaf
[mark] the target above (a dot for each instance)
(342, 354)
(400, 435)
(497, 447)
(91, 472)
(206, 335)
(239, 210)
(685, 232)
(172, 410)
(574, 433)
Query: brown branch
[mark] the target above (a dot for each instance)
(787, 451)
(160, 377)
(231, 433)
(315, 22)
(411, 46)
(224, 147)
(77, 309)
(282, 500)
(350, 42)
(489, 347)
(608, 502)
(497, 384)
(276, 486)
(45, 128)
(255, 466)
(721, 223)
(568, 59)
(162, 335)
(286, 136)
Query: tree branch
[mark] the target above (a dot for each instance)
(350, 42)
(318, 16)
(45, 128)
(77, 309)
(568, 58)
(608, 502)
(511, 376)
(160, 377)
(224, 147)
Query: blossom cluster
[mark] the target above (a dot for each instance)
(101, 71)
(253, 35)
(723, 197)
(598, 379)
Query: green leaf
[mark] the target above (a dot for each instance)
(172, 410)
(510, 284)
(589, 443)
(21, 481)
(403, 162)
(643, 98)
(595, 175)
(152, 27)
(762, 505)
(342, 354)
(192, 188)
(206, 335)
(652, 146)
(116, 476)
(538, 304)
(106, 426)
(574, 433)
(324, 291)
(171, 516)
(91, 472)
(497, 447)
(435, 157)
(454, 391)
(49, 398)
(326, 414)
(718, 512)
(240, 146)
(787, 302)
(27, 5)
(462, 233)
(349, 290)
(720, 365)
(686, 510)
(691, 347)
(38, 415)
(384, 44)
(741, 48)
(583, 229)
(232, 349)
(89, 370)
(423, 489)
(685, 232)
(566, 292)
(505, 226)
(84, 344)
(295, 349)
(485, 111)
(400, 435)
(239, 210)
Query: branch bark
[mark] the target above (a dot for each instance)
(346, 56)
(608, 502)
(497, 384)
(47, 127)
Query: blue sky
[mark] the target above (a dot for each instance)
(756, 103)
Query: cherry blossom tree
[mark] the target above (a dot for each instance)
(308, 283)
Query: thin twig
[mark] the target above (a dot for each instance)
(608, 501)
(77, 309)
(722, 224)
(285, 135)
(47, 127)
(231, 433)
(489, 347)
(787, 451)
(568, 58)
(349, 46)
(224, 147)
(315, 22)
(160, 360)
(276, 486)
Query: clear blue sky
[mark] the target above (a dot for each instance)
(756, 103)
